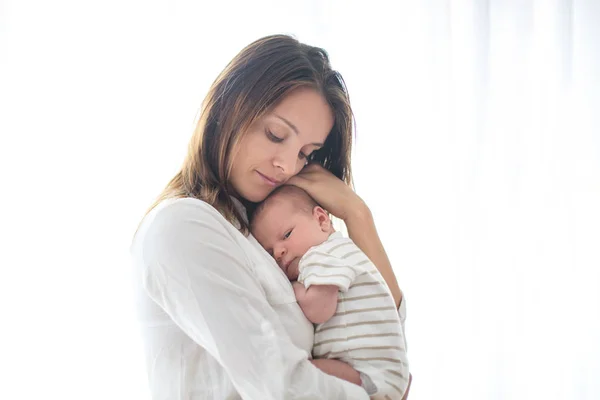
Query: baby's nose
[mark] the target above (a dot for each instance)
(279, 253)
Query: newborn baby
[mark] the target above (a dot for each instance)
(337, 288)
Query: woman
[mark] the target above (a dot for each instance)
(219, 318)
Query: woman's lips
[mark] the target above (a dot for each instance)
(269, 181)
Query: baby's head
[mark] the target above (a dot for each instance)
(287, 224)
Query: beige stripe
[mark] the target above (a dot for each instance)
(372, 335)
(369, 296)
(351, 253)
(339, 245)
(331, 354)
(328, 276)
(355, 337)
(366, 284)
(372, 272)
(394, 360)
(328, 355)
(316, 264)
(367, 310)
(315, 253)
(377, 348)
(385, 321)
(328, 341)
(394, 386)
(318, 253)
(398, 374)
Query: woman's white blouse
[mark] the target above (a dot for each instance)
(219, 318)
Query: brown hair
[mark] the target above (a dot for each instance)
(251, 85)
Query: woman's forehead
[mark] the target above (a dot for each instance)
(305, 112)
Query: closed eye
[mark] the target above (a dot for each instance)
(272, 137)
(307, 156)
(288, 234)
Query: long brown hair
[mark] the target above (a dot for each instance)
(251, 85)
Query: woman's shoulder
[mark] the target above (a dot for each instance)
(186, 207)
(180, 229)
(185, 216)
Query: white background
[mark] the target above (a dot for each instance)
(478, 150)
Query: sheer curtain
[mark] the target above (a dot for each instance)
(478, 150)
(482, 119)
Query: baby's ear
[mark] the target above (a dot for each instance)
(322, 217)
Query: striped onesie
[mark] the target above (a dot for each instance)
(365, 331)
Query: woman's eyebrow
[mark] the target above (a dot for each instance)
(293, 127)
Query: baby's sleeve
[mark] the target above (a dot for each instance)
(318, 268)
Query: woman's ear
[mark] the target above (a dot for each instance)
(322, 218)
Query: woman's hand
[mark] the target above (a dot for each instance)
(338, 368)
(329, 192)
(340, 200)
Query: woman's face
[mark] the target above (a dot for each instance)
(276, 146)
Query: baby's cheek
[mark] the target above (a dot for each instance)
(300, 243)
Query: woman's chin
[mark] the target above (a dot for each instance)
(257, 195)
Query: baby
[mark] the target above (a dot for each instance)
(339, 290)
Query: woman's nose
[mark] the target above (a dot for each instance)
(286, 162)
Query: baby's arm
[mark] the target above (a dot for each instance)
(318, 302)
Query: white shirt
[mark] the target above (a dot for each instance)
(219, 318)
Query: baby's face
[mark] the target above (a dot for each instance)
(287, 233)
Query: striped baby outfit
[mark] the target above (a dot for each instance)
(366, 331)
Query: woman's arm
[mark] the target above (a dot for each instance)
(196, 272)
(338, 368)
(361, 229)
(340, 200)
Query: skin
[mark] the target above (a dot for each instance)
(273, 151)
(275, 147)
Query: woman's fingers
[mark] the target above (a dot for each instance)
(328, 190)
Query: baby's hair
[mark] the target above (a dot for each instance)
(299, 198)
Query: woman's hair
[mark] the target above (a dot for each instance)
(259, 77)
